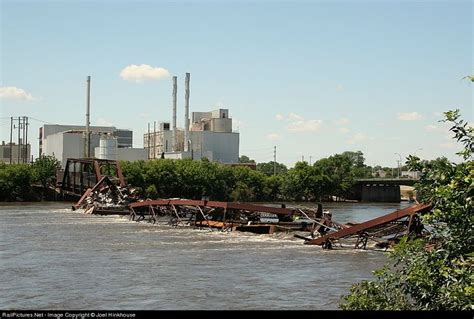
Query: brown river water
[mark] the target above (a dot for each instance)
(54, 258)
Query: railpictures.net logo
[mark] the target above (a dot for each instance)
(68, 315)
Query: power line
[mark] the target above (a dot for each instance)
(45, 122)
(258, 149)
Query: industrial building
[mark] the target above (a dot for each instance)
(208, 134)
(11, 153)
(69, 141)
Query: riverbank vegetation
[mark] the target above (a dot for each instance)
(327, 177)
(435, 273)
(28, 182)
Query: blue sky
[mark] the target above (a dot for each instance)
(312, 78)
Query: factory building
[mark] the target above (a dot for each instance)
(207, 134)
(14, 153)
(68, 141)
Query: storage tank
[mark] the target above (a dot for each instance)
(108, 147)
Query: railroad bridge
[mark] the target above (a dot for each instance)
(380, 189)
(81, 174)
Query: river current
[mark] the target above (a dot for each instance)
(54, 258)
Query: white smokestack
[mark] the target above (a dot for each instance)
(88, 111)
(175, 92)
(186, 115)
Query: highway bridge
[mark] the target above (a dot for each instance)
(380, 189)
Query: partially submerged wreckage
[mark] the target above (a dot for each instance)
(106, 198)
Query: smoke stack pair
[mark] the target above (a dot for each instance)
(186, 112)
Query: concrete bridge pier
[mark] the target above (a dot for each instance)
(387, 193)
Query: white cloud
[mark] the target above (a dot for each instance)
(14, 93)
(413, 116)
(295, 117)
(437, 114)
(344, 130)
(343, 121)
(102, 122)
(273, 136)
(139, 73)
(358, 137)
(279, 117)
(339, 88)
(431, 128)
(305, 126)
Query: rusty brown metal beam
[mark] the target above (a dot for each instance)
(79, 202)
(409, 211)
(120, 174)
(216, 204)
(98, 173)
(89, 191)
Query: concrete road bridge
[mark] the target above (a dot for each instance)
(380, 189)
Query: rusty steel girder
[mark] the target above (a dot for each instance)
(379, 221)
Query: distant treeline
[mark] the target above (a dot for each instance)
(28, 182)
(327, 177)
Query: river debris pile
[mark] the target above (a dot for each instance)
(314, 226)
(225, 216)
(383, 231)
(106, 198)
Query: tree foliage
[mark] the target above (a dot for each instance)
(15, 182)
(44, 170)
(434, 273)
(269, 167)
(245, 159)
(196, 179)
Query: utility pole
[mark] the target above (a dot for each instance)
(148, 140)
(310, 157)
(154, 141)
(88, 111)
(274, 160)
(24, 156)
(26, 139)
(22, 139)
(19, 139)
(11, 139)
(399, 163)
(302, 158)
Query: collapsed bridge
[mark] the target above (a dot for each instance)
(110, 196)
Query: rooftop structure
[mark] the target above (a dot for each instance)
(68, 141)
(207, 134)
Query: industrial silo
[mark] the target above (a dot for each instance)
(108, 147)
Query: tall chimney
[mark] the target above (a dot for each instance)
(88, 109)
(186, 111)
(175, 92)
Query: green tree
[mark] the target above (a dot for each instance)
(45, 169)
(296, 185)
(15, 182)
(268, 168)
(245, 159)
(434, 273)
